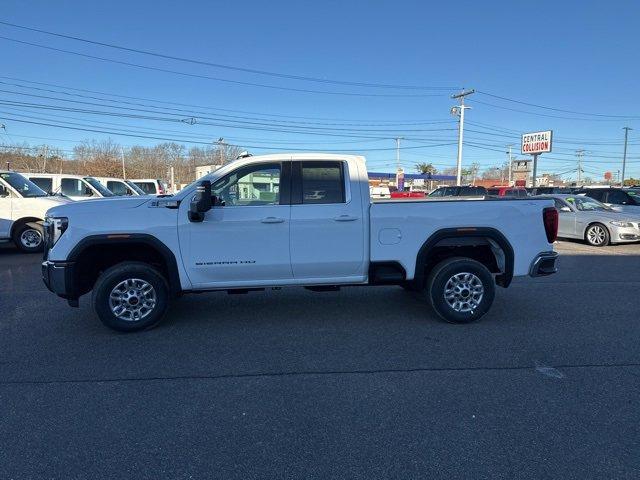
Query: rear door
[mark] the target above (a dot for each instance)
(327, 224)
(566, 220)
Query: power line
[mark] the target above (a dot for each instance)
(208, 77)
(110, 94)
(229, 67)
(557, 109)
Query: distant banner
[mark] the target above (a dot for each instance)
(537, 142)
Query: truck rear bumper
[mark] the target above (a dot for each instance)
(58, 278)
(545, 263)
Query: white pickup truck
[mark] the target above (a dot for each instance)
(291, 220)
(22, 209)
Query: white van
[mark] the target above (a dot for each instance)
(22, 209)
(151, 186)
(75, 187)
(120, 187)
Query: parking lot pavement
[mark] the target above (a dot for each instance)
(362, 383)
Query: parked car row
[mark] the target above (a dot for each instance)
(25, 198)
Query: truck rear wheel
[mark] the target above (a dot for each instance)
(130, 296)
(461, 290)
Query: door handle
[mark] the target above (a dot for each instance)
(272, 220)
(345, 218)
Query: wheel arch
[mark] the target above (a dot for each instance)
(450, 242)
(96, 252)
(22, 221)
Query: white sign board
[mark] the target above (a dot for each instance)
(536, 142)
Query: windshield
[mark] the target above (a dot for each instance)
(586, 204)
(135, 187)
(104, 191)
(23, 186)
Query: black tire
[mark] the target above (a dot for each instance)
(137, 274)
(25, 235)
(597, 235)
(470, 306)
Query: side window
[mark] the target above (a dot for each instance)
(558, 204)
(118, 188)
(322, 182)
(147, 187)
(437, 193)
(617, 197)
(45, 184)
(74, 187)
(510, 193)
(595, 194)
(449, 192)
(522, 193)
(252, 185)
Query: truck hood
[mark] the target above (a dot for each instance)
(100, 206)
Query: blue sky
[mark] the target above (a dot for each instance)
(573, 56)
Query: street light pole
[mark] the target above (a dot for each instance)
(459, 110)
(624, 156)
(510, 163)
(398, 151)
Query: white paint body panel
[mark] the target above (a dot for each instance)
(233, 248)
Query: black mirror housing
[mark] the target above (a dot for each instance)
(201, 202)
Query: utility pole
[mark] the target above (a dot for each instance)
(222, 151)
(46, 153)
(459, 110)
(398, 151)
(579, 155)
(624, 156)
(124, 172)
(510, 160)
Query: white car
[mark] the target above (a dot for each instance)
(22, 210)
(151, 186)
(120, 187)
(291, 220)
(75, 187)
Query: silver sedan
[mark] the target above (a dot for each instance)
(587, 219)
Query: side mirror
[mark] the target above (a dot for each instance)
(3, 191)
(201, 202)
(565, 209)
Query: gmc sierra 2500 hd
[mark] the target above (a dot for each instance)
(286, 220)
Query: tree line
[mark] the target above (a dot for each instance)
(106, 159)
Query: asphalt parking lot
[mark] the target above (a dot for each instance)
(363, 383)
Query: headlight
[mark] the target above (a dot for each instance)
(621, 224)
(54, 228)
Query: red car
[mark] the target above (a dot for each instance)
(416, 194)
(518, 192)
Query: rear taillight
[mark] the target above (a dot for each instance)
(550, 220)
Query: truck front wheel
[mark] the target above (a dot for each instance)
(130, 296)
(461, 290)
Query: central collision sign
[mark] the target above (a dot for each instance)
(537, 142)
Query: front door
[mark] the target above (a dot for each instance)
(246, 240)
(327, 225)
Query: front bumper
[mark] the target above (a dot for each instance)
(624, 234)
(545, 263)
(58, 278)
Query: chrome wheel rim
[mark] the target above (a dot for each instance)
(132, 300)
(463, 292)
(31, 238)
(596, 235)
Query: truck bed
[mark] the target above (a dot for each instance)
(400, 227)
